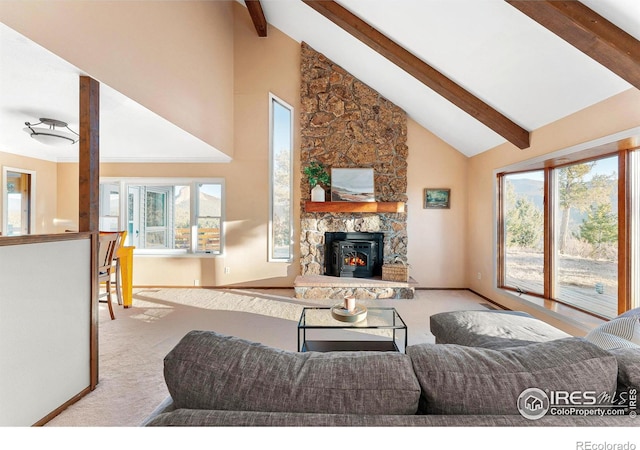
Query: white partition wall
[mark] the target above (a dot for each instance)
(45, 302)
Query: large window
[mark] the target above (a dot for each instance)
(281, 181)
(165, 216)
(560, 236)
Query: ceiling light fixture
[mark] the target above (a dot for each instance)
(51, 135)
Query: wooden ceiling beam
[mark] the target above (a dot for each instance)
(422, 71)
(257, 16)
(589, 32)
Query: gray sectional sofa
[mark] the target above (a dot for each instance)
(218, 380)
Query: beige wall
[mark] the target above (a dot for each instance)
(260, 66)
(616, 114)
(437, 247)
(183, 73)
(45, 195)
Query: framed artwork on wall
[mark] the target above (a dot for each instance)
(352, 185)
(437, 198)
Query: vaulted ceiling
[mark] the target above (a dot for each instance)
(476, 73)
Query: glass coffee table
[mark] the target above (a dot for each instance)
(381, 330)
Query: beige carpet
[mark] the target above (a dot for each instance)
(133, 346)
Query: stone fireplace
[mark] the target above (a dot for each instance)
(346, 124)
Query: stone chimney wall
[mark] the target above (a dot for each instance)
(346, 124)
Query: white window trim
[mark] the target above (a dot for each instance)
(270, 257)
(125, 182)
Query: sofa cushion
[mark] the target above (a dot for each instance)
(491, 329)
(218, 418)
(628, 367)
(469, 380)
(617, 333)
(206, 370)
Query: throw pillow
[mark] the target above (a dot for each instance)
(621, 332)
(457, 379)
(206, 370)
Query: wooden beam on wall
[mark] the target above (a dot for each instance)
(89, 200)
(589, 32)
(257, 16)
(423, 72)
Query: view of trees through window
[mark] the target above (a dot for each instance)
(585, 255)
(524, 231)
(281, 154)
(587, 232)
(165, 215)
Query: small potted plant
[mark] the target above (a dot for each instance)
(318, 176)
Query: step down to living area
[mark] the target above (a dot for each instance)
(323, 287)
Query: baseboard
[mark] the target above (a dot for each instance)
(489, 300)
(62, 407)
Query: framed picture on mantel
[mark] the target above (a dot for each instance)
(352, 185)
(437, 198)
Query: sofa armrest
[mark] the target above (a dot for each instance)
(165, 406)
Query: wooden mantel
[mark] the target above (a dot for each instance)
(354, 207)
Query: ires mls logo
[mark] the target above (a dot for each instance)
(533, 403)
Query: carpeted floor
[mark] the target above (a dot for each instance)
(133, 346)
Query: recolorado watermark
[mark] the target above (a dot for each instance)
(534, 403)
(589, 445)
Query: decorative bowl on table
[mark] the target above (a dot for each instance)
(339, 312)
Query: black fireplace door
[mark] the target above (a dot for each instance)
(353, 258)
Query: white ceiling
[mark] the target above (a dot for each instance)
(487, 46)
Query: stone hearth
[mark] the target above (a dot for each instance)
(321, 286)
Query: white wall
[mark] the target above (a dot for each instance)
(44, 328)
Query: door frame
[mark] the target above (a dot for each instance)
(5, 194)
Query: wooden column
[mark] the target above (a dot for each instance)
(89, 198)
(89, 154)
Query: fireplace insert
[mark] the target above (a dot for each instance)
(354, 254)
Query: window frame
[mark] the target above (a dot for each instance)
(271, 244)
(193, 183)
(620, 145)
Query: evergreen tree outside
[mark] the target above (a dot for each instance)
(524, 224)
(600, 226)
(575, 191)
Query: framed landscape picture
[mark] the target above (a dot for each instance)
(437, 198)
(352, 185)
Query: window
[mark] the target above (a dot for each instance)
(281, 181)
(586, 231)
(165, 216)
(18, 187)
(524, 231)
(109, 206)
(559, 236)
